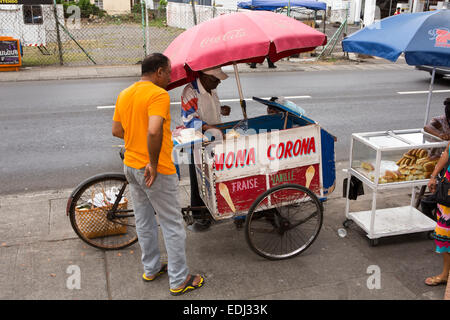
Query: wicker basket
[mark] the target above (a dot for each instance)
(93, 223)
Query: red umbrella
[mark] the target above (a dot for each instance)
(238, 38)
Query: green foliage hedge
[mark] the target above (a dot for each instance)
(87, 9)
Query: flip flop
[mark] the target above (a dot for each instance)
(435, 281)
(189, 286)
(161, 272)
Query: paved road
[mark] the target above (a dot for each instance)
(54, 135)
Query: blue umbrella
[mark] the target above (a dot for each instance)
(423, 37)
(270, 5)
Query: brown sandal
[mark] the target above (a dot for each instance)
(435, 281)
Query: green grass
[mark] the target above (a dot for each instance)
(33, 57)
(102, 45)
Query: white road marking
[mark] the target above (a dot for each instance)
(106, 107)
(223, 100)
(421, 92)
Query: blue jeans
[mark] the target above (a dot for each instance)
(162, 197)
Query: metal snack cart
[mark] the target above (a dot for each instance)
(373, 155)
(256, 174)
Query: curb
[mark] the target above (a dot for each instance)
(124, 71)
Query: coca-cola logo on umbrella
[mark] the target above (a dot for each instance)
(441, 36)
(230, 35)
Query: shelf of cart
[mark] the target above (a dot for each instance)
(390, 185)
(393, 221)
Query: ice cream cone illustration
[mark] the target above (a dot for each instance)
(223, 189)
(309, 175)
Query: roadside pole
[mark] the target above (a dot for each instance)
(193, 12)
(58, 36)
(147, 30)
(143, 27)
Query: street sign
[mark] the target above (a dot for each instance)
(10, 58)
(28, 2)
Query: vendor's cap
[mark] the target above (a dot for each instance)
(216, 72)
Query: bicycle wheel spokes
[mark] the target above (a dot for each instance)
(94, 219)
(288, 227)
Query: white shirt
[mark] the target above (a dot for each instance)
(200, 104)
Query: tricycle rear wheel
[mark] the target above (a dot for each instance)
(96, 222)
(283, 222)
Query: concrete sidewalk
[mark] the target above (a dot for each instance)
(293, 64)
(38, 250)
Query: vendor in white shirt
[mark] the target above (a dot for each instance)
(200, 108)
(200, 105)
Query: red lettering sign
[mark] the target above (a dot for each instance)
(240, 158)
(239, 194)
(291, 149)
(312, 146)
(297, 146)
(218, 163)
(269, 152)
(229, 163)
(289, 146)
(251, 156)
(284, 150)
(305, 145)
(280, 147)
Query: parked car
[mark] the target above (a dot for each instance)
(440, 71)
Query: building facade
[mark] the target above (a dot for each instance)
(113, 7)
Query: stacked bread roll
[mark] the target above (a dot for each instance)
(411, 156)
(416, 165)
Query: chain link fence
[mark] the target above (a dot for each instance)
(81, 34)
(69, 35)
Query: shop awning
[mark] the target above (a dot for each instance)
(271, 5)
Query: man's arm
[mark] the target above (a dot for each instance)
(117, 130)
(189, 107)
(154, 142)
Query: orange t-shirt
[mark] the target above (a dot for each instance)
(133, 107)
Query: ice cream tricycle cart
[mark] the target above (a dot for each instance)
(273, 173)
(276, 172)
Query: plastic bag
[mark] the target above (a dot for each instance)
(291, 105)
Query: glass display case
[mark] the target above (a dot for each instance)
(392, 159)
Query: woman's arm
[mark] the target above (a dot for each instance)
(439, 166)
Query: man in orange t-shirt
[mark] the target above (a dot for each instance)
(142, 119)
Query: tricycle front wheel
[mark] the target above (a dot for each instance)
(283, 222)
